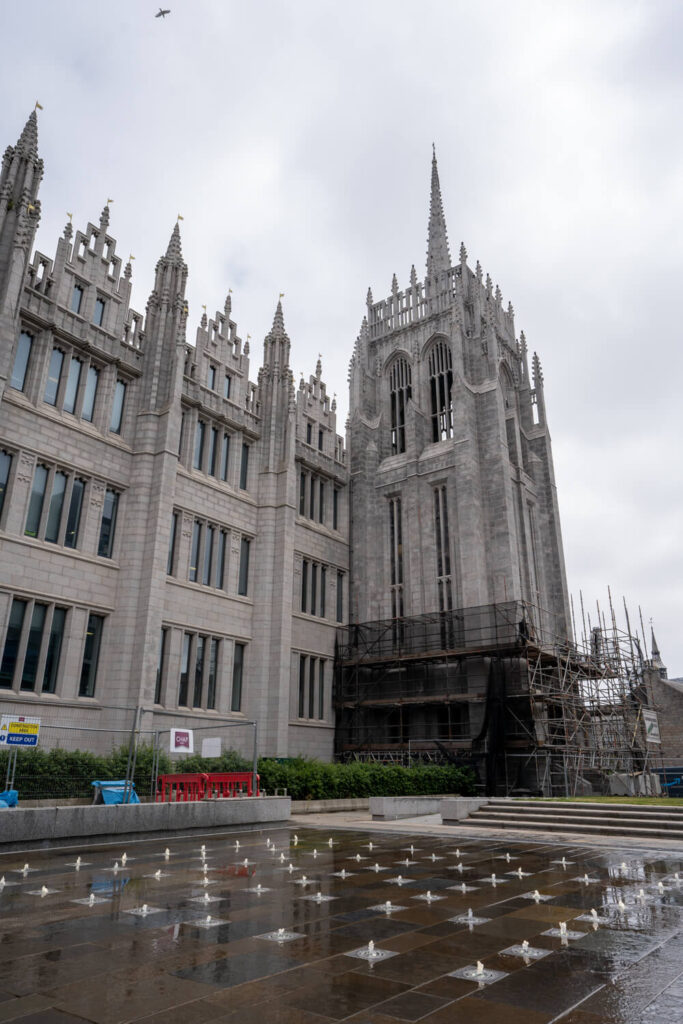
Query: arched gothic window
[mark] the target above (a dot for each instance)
(441, 388)
(400, 392)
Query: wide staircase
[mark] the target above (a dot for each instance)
(638, 821)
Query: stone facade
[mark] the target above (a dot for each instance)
(158, 508)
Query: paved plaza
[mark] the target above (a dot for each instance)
(178, 934)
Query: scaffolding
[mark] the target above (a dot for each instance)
(488, 687)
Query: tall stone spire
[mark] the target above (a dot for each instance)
(174, 251)
(28, 140)
(438, 255)
(276, 344)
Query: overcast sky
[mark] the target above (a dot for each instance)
(295, 139)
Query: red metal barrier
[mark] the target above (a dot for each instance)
(182, 788)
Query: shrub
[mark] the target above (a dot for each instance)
(316, 780)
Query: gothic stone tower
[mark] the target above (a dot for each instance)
(453, 500)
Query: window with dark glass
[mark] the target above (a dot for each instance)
(91, 654)
(302, 494)
(396, 557)
(35, 504)
(194, 551)
(244, 467)
(321, 688)
(208, 555)
(54, 374)
(54, 513)
(443, 554)
(198, 672)
(199, 444)
(12, 641)
(302, 685)
(311, 503)
(72, 381)
(441, 387)
(184, 671)
(323, 586)
(309, 433)
(220, 559)
(33, 645)
(20, 368)
(320, 440)
(225, 456)
(335, 509)
(90, 393)
(226, 385)
(170, 558)
(160, 665)
(243, 582)
(212, 673)
(5, 467)
(400, 391)
(213, 452)
(340, 597)
(304, 585)
(211, 377)
(237, 673)
(311, 687)
(76, 298)
(314, 586)
(105, 546)
(54, 650)
(98, 315)
(321, 501)
(73, 520)
(117, 407)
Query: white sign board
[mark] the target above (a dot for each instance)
(18, 731)
(651, 726)
(211, 746)
(182, 741)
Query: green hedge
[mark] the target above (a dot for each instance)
(51, 774)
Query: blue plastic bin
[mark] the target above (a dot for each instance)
(112, 792)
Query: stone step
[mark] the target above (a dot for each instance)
(673, 810)
(628, 831)
(567, 820)
(625, 813)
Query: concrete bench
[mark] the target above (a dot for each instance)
(389, 808)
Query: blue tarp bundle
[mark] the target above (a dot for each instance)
(112, 792)
(9, 798)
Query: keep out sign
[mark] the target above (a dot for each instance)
(182, 741)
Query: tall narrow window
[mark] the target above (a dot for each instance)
(76, 298)
(309, 433)
(441, 387)
(54, 374)
(244, 467)
(213, 452)
(160, 665)
(400, 390)
(54, 514)
(184, 670)
(243, 582)
(237, 672)
(212, 674)
(311, 503)
(323, 588)
(340, 597)
(19, 370)
(90, 393)
(105, 547)
(321, 688)
(181, 433)
(226, 386)
(199, 672)
(117, 407)
(5, 467)
(225, 456)
(443, 554)
(170, 558)
(304, 585)
(35, 504)
(91, 654)
(33, 645)
(12, 640)
(320, 440)
(211, 377)
(321, 502)
(72, 382)
(194, 551)
(335, 509)
(311, 687)
(220, 559)
(302, 494)
(73, 520)
(199, 444)
(208, 555)
(54, 650)
(396, 557)
(302, 685)
(98, 315)
(314, 587)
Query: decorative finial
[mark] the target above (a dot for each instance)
(413, 276)
(38, 106)
(511, 311)
(479, 272)
(180, 217)
(394, 285)
(489, 284)
(499, 295)
(319, 367)
(369, 297)
(438, 255)
(463, 253)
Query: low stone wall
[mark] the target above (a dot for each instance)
(30, 824)
(455, 809)
(390, 808)
(328, 806)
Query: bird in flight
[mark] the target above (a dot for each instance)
(162, 13)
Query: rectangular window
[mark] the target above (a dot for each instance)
(311, 688)
(73, 520)
(54, 514)
(5, 466)
(35, 505)
(117, 407)
(323, 586)
(54, 650)
(91, 654)
(199, 445)
(321, 502)
(226, 385)
(335, 509)
(220, 559)
(105, 546)
(314, 587)
(237, 672)
(181, 433)
(211, 377)
(18, 378)
(244, 467)
(304, 585)
(170, 558)
(311, 509)
(72, 382)
(208, 555)
(194, 551)
(211, 681)
(302, 685)
(12, 640)
(90, 393)
(184, 671)
(98, 315)
(321, 688)
(302, 494)
(54, 375)
(213, 452)
(243, 583)
(76, 299)
(309, 433)
(340, 597)
(396, 557)
(160, 666)
(199, 672)
(33, 645)
(225, 456)
(320, 440)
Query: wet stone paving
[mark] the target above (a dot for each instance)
(273, 927)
